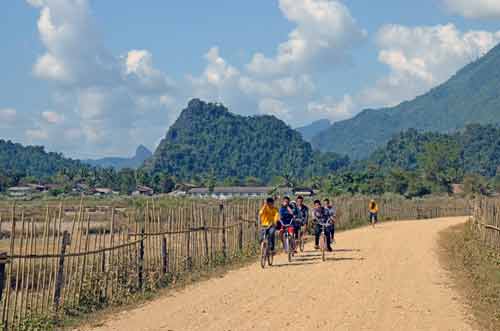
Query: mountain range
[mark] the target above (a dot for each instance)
(472, 95)
(142, 153)
(309, 131)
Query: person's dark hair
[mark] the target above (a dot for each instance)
(300, 197)
(372, 204)
(286, 198)
(327, 200)
(269, 200)
(317, 201)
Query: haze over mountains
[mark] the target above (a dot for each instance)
(309, 131)
(142, 153)
(470, 96)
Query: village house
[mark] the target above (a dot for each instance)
(20, 191)
(236, 192)
(102, 191)
(143, 190)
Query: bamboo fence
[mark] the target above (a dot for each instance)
(54, 269)
(58, 265)
(486, 221)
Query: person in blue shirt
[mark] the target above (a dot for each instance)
(286, 215)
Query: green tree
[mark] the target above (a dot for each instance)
(127, 181)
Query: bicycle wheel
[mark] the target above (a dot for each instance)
(301, 242)
(290, 249)
(263, 254)
(322, 245)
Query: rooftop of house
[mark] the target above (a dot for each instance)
(235, 190)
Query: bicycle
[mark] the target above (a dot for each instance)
(288, 240)
(301, 241)
(322, 240)
(265, 252)
(373, 219)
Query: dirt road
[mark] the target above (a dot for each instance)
(387, 278)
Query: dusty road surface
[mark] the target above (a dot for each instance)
(387, 278)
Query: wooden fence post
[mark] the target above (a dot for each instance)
(240, 237)
(189, 264)
(66, 240)
(102, 289)
(205, 240)
(3, 262)
(140, 273)
(164, 255)
(224, 243)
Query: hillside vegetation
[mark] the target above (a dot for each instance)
(18, 160)
(470, 96)
(414, 163)
(209, 141)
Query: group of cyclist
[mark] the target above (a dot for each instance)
(293, 216)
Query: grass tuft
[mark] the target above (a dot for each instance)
(475, 270)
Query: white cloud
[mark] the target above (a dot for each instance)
(274, 107)
(7, 117)
(332, 109)
(420, 58)
(52, 117)
(475, 8)
(325, 33)
(99, 98)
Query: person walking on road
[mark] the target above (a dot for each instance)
(373, 211)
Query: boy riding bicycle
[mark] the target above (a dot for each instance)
(268, 216)
(302, 214)
(286, 216)
(321, 215)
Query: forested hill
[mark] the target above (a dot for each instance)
(209, 141)
(475, 150)
(34, 161)
(470, 96)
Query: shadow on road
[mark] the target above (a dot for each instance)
(294, 264)
(340, 250)
(315, 259)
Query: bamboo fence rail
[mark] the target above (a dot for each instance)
(486, 221)
(61, 265)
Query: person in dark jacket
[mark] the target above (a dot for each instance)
(302, 213)
(286, 215)
(321, 215)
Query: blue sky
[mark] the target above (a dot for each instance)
(91, 78)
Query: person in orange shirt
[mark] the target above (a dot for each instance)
(268, 216)
(373, 210)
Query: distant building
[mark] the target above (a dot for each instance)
(234, 192)
(143, 190)
(99, 191)
(177, 193)
(305, 192)
(38, 187)
(20, 191)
